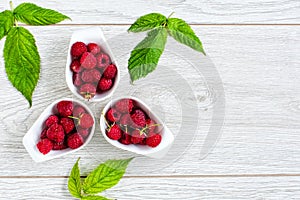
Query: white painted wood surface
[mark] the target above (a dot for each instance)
(194, 11)
(259, 68)
(266, 188)
(258, 82)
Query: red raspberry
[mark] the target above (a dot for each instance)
(87, 77)
(149, 124)
(78, 49)
(75, 66)
(44, 134)
(112, 115)
(88, 60)
(138, 118)
(68, 124)
(125, 120)
(56, 133)
(154, 140)
(150, 134)
(65, 108)
(74, 141)
(59, 146)
(126, 139)
(52, 119)
(103, 61)
(88, 90)
(78, 110)
(124, 105)
(90, 76)
(114, 132)
(84, 132)
(137, 137)
(76, 79)
(96, 75)
(93, 48)
(86, 121)
(104, 84)
(143, 142)
(44, 146)
(110, 71)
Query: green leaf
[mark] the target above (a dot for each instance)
(145, 56)
(105, 176)
(184, 34)
(22, 61)
(74, 183)
(34, 15)
(94, 198)
(147, 22)
(6, 22)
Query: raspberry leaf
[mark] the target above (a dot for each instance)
(74, 183)
(94, 198)
(105, 176)
(6, 22)
(32, 14)
(22, 61)
(148, 22)
(145, 56)
(184, 34)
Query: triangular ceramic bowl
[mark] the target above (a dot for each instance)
(33, 135)
(157, 152)
(90, 35)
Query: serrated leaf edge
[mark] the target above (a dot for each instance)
(75, 167)
(86, 187)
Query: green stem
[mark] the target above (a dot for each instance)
(16, 23)
(154, 125)
(11, 6)
(12, 10)
(145, 128)
(105, 121)
(72, 117)
(171, 15)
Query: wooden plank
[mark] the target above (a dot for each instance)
(259, 69)
(194, 11)
(166, 188)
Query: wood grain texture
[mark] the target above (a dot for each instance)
(257, 155)
(159, 189)
(259, 67)
(207, 12)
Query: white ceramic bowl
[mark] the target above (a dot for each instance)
(90, 35)
(157, 152)
(33, 135)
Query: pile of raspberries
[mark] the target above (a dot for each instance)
(66, 129)
(129, 124)
(93, 71)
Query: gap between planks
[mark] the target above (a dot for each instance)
(233, 24)
(170, 176)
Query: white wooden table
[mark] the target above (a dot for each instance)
(255, 46)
